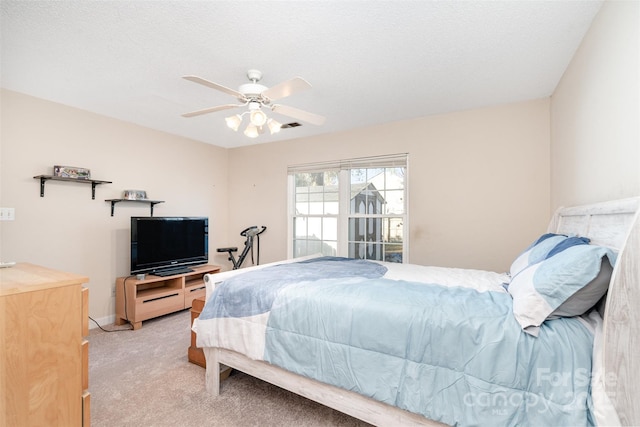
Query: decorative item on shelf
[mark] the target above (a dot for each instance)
(134, 195)
(71, 172)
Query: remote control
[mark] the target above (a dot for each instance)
(7, 264)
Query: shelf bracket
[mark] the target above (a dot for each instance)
(152, 204)
(42, 181)
(93, 190)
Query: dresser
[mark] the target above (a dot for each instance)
(44, 357)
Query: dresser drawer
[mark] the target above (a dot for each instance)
(191, 294)
(157, 305)
(86, 409)
(85, 364)
(85, 312)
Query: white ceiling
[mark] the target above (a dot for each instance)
(369, 62)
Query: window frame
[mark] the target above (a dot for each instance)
(344, 167)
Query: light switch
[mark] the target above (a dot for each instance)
(7, 214)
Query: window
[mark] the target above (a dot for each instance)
(354, 208)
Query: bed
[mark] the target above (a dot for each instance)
(529, 360)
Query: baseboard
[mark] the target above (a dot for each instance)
(102, 321)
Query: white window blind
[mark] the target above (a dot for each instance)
(388, 161)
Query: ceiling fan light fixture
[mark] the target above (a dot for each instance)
(274, 126)
(258, 118)
(251, 131)
(254, 96)
(234, 121)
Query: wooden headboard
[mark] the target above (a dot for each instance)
(615, 224)
(606, 224)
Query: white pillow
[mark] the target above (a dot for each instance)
(540, 291)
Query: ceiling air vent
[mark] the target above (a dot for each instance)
(290, 125)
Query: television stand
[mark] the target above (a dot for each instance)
(172, 271)
(138, 300)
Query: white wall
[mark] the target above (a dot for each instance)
(66, 229)
(478, 182)
(595, 113)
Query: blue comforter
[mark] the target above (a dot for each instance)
(452, 354)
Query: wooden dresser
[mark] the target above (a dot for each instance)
(44, 358)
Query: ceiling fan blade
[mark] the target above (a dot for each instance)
(305, 116)
(215, 86)
(211, 110)
(287, 88)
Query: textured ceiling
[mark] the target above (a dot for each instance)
(369, 62)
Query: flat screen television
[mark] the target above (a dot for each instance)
(160, 245)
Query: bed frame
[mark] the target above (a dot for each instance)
(615, 224)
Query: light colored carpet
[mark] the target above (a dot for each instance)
(143, 378)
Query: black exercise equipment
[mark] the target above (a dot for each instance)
(249, 233)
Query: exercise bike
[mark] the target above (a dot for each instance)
(249, 233)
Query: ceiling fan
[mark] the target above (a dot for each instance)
(256, 96)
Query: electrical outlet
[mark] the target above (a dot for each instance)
(7, 214)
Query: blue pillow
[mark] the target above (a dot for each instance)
(536, 252)
(546, 246)
(567, 243)
(578, 276)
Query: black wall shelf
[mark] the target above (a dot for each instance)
(151, 203)
(93, 182)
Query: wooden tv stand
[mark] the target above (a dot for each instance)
(138, 300)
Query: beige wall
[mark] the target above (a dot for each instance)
(66, 229)
(478, 182)
(482, 183)
(487, 167)
(595, 113)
